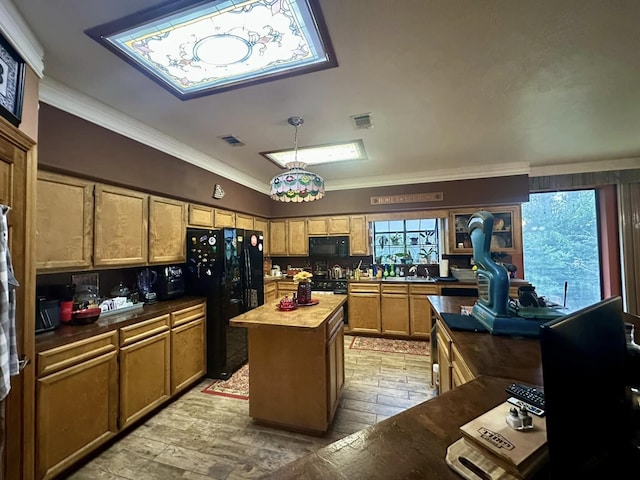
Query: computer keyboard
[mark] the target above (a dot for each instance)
(528, 394)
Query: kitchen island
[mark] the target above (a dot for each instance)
(296, 363)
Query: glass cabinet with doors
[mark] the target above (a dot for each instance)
(506, 236)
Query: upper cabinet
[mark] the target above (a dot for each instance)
(506, 236)
(244, 222)
(262, 225)
(297, 241)
(121, 226)
(224, 218)
(278, 238)
(339, 225)
(359, 236)
(64, 222)
(200, 216)
(167, 226)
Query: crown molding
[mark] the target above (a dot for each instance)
(71, 101)
(586, 167)
(18, 33)
(443, 175)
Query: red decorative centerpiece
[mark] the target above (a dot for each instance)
(287, 304)
(303, 279)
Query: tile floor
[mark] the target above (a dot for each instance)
(202, 436)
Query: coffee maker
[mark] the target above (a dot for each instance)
(146, 279)
(170, 282)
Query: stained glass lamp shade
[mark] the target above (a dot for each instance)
(297, 184)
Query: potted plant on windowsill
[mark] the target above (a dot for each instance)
(427, 254)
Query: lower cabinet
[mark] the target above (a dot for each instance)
(364, 307)
(144, 368)
(394, 309)
(270, 292)
(420, 315)
(89, 390)
(188, 351)
(76, 401)
(443, 342)
(335, 362)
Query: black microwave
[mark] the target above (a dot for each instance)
(328, 246)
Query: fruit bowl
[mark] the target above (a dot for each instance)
(83, 317)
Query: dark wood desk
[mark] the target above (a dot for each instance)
(413, 444)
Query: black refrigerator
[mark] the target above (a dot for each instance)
(226, 267)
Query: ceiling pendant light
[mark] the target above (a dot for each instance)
(297, 184)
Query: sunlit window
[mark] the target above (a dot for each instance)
(406, 241)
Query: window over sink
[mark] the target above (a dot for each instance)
(408, 241)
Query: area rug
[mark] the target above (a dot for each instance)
(235, 387)
(411, 347)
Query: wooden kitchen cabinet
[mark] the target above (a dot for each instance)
(297, 241)
(64, 222)
(244, 222)
(188, 346)
(335, 362)
(76, 401)
(317, 226)
(359, 236)
(121, 226)
(443, 342)
(144, 368)
(338, 225)
(507, 230)
(420, 315)
(278, 245)
(167, 227)
(394, 309)
(270, 292)
(200, 216)
(364, 307)
(223, 218)
(286, 287)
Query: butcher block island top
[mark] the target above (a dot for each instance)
(312, 316)
(296, 363)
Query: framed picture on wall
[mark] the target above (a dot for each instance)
(12, 69)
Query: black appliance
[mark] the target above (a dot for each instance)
(47, 314)
(170, 282)
(226, 267)
(329, 246)
(335, 285)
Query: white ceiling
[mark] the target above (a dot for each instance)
(456, 89)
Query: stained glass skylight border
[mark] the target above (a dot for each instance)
(196, 48)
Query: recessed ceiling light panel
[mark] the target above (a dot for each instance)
(319, 154)
(203, 47)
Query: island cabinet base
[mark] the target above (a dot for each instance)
(296, 375)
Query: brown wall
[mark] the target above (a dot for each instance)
(76, 146)
(459, 193)
(72, 145)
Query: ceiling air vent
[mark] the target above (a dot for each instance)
(232, 140)
(362, 121)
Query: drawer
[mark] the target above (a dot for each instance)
(134, 333)
(387, 288)
(364, 287)
(423, 289)
(335, 322)
(287, 286)
(65, 356)
(187, 314)
(460, 366)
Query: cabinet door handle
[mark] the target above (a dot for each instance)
(22, 363)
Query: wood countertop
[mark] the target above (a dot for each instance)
(311, 316)
(68, 333)
(495, 355)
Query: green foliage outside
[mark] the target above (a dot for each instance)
(560, 243)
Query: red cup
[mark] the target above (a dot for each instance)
(66, 307)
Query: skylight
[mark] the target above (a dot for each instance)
(219, 45)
